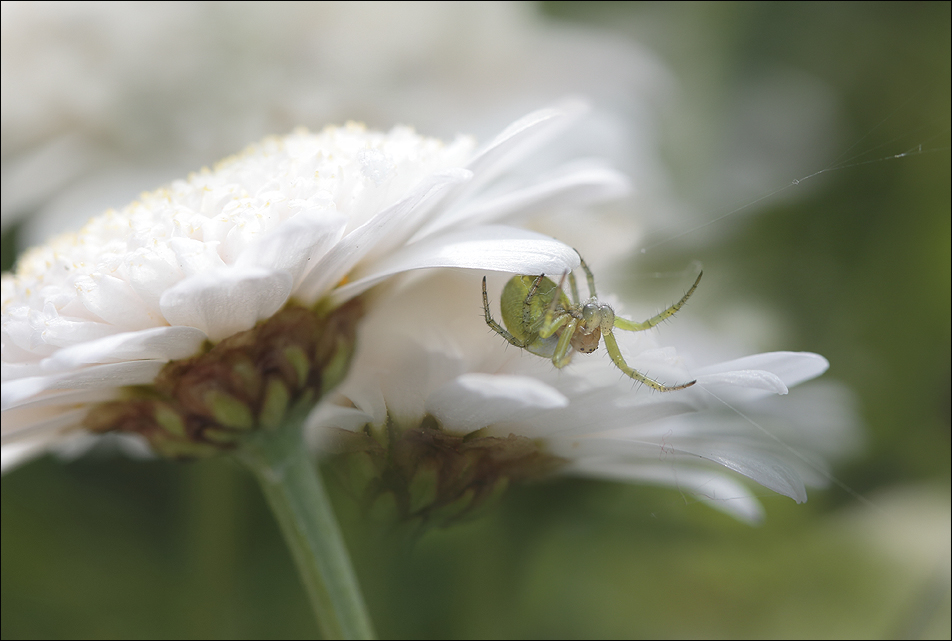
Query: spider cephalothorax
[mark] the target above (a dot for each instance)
(542, 320)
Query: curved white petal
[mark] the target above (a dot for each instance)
(167, 343)
(116, 302)
(515, 142)
(196, 257)
(72, 444)
(752, 379)
(10, 371)
(59, 399)
(573, 187)
(297, 244)
(712, 488)
(522, 137)
(45, 423)
(14, 454)
(334, 265)
(474, 401)
(152, 270)
(63, 331)
(226, 301)
(754, 463)
(491, 248)
(602, 412)
(612, 448)
(15, 393)
(792, 368)
(717, 437)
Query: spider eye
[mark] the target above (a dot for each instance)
(590, 313)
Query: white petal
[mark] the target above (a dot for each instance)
(15, 454)
(514, 143)
(196, 257)
(57, 399)
(579, 186)
(776, 472)
(752, 379)
(76, 443)
(44, 423)
(63, 331)
(754, 463)
(297, 244)
(10, 371)
(152, 270)
(491, 248)
(609, 449)
(791, 367)
(15, 393)
(601, 411)
(165, 343)
(713, 489)
(522, 137)
(115, 301)
(226, 301)
(473, 401)
(332, 268)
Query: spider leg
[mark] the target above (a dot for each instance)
(563, 353)
(527, 319)
(550, 326)
(620, 363)
(549, 323)
(557, 297)
(624, 323)
(496, 327)
(574, 288)
(589, 277)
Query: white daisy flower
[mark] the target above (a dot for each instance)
(293, 222)
(438, 414)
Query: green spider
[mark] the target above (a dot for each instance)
(542, 320)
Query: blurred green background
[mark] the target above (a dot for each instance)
(858, 269)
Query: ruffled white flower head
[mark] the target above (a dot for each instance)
(307, 217)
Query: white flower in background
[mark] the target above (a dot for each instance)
(426, 360)
(290, 219)
(103, 101)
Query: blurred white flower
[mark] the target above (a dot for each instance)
(430, 378)
(102, 101)
(291, 218)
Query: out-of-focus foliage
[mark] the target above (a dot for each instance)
(853, 264)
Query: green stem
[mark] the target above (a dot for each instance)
(296, 495)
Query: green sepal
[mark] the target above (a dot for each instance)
(336, 368)
(275, 404)
(299, 362)
(423, 487)
(170, 420)
(228, 410)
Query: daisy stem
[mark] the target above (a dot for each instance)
(293, 487)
